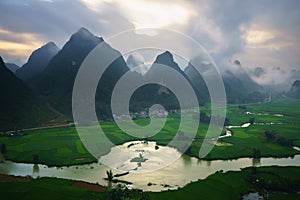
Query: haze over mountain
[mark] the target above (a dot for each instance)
(133, 62)
(295, 90)
(198, 82)
(38, 61)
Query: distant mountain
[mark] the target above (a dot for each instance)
(37, 61)
(150, 94)
(12, 67)
(295, 90)
(56, 81)
(166, 59)
(239, 86)
(198, 82)
(18, 105)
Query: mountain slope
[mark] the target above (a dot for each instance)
(198, 82)
(56, 81)
(295, 90)
(19, 108)
(150, 94)
(239, 86)
(37, 61)
(12, 67)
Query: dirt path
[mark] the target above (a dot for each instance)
(7, 179)
(89, 186)
(54, 110)
(60, 115)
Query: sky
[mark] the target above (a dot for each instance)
(262, 34)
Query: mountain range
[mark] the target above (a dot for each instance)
(49, 74)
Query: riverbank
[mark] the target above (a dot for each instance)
(271, 182)
(175, 175)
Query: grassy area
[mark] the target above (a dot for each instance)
(53, 188)
(57, 146)
(232, 185)
(46, 188)
(245, 139)
(278, 182)
(287, 107)
(62, 146)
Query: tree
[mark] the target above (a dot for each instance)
(253, 170)
(36, 159)
(188, 151)
(110, 175)
(256, 153)
(251, 120)
(121, 193)
(3, 148)
(226, 122)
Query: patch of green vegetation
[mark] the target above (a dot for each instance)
(138, 159)
(64, 189)
(233, 184)
(46, 188)
(62, 146)
(54, 147)
(245, 139)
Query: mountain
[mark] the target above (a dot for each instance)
(18, 105)
(240, 88)
(37, 61)
(166, 59)
(197, 81)
(150, 94)
(295, 90)
(12, 67)
(238, 85)
(56, 81)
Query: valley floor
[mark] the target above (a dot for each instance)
(275, 133)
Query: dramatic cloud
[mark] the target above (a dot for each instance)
(259, 33)
(55, 21)
(18, 44)
(148, 14)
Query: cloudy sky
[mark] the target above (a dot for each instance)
(259, 33)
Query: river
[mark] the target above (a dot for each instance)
(181, 172)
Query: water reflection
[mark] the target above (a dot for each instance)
(256, 162)
(36, 170)
(186, 160)
(208, 163)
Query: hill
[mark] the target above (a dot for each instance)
(37, 61)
